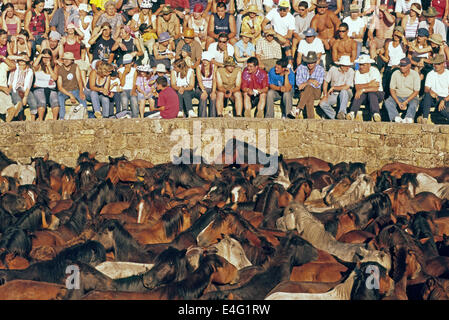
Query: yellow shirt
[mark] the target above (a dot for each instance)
(257, 26)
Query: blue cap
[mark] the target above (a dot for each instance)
(422, 32)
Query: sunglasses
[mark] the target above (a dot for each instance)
(221, 41)
(342, 30)
(283, 9)
(191, 38)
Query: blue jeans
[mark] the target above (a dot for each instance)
(341, 99)
(392, 109)
(100, 102)
(127, 98)
(63, 97)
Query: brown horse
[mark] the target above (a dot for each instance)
(318, 272)
(314, 164)
(397, 169)
(403, 203)
(32, 290)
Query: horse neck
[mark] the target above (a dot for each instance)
(343, 290)
(126, 248)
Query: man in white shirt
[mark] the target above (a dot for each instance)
(432, 23)
(283, 24)
(126, 75)
(368, 86)
(356, 26)
(436, 89)
(217, 50)
(303, 17)
(310, 43)
(6, 105)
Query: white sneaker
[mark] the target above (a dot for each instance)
(192, 114)
(398, 119)
(180, 114)
(408, 120)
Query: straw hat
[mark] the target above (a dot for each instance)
(246, 34)
(253, 9)
(430, 12)
(189, 33)
(439, 58)
(229, 61)
(436, 38)
(68, 56)
(160, 68)
(166, 10)
(311, 57)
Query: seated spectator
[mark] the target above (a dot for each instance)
(252, 23)
(126, 43)
(309, 43)
(229, 80)
(303, 18)
(70, 84)
(254, 88)
(102, 43)
(439, 47)
(404, 90)
(159, 71)
(199, 23)
(163, 51)
(344, 45)
(3, 43)
(283, 24)
(432, 24)
(221, 49)
(56, 48)
(368, 89)
(309, 78)
(111, 16)
(19, 44)
(268, 50)
(402, 7)
(357, 26)
(115, 92)
(183, 82)
(142, 86)
(6, 106)
(64, 15)
(44, 88)
(281, 82)
(167, 104)
(221, 23)
(337, 88)
(37, 24)
(11, 22)
(127, 73)
(98, 87)
(143, 24)
(206, 89)
(383, 24)
(195, 47)
(20, 82)
(243, 9)
(180, 7)
(229, 5)
(244, 49)
(410, 21)
(419, 53)
(436, 90)
(85, 24)
(167, 21)
(72, 42)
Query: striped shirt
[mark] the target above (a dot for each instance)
(303, 75)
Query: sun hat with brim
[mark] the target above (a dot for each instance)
(430, 12)
(414, 8)
(439, 58)
(229, 61)
(363, 59)
(344, 61)
(164, 36)
(71, 25)
(253, 9)
(141, 68)
(311, 57)
(166, 10)
(23, 58)
(354, 8)
(188, 33)
(436, 38)
(246, 34)
(83, 7)
(68, 56)
(268, 32)
(310, 32)
(160, 68)
(322, 4)
(127, 58)
(284, 4)
(399, 29)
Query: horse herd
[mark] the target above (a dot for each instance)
(134, 230)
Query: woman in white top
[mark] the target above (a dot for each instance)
(205, 73)
(143, 23)
(410, 21)
(394, 52)
(85, 24)
(126, 75)
(198, 23)
(183, 81)
(44, 89)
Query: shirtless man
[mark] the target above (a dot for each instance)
(20, 7)
(344, 46)
(383, 23)
(326, 23)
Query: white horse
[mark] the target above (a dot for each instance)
(24, 173)
(120, 269)
(297, 217)
(427, 183)
(230, 249)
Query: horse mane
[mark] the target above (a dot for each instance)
(355, 169)
(15, 240)
(124, 242)
(297, 184)
(359, 290)
(42, 171)
(409, 178)
(4, 158)
(176, 257)
(115, 161)
(31, 219)
(385, 181)
(173, 220)
(90, 252)
(82, 179)
(68, 171)
(78, 219)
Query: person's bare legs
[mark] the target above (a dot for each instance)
(220, 102)
(238, 102)
(246, 104)
(41, 113)
(54, 112)
(261, 105)
(142, 108)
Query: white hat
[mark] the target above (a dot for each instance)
(268, 3)
(364, 58)
(127, 58)
(344, 61)
(83, 7)
(161, 68)
(141, 68)
(207, 55)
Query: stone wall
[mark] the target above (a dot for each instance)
(373, 143)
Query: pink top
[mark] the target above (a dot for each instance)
(144, 84)
(12, 29)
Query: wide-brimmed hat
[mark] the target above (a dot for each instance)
(311, 57)
(344, 61)
(399, 29)
(322, 4)
(310, 32)
(253, 9)
(68, 56)
(284, 4)
(161, 68)
(127, 58)
(268, 31)
(436, 38)
(354, 8)
(430, 12)
(23, 57)
(415, 8)
(229, 61)
(188, 33)
(439, 58)
(364, 58)
(166, 10)
(164, 36)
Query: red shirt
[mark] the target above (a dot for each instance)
(169, 99)
(256, 80)
(440, 6)
(175, 4)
